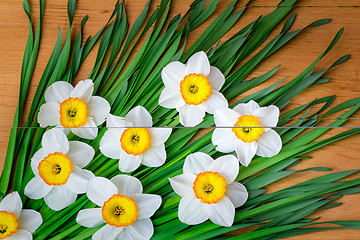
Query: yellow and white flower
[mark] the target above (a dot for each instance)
(124, 208)
(208, 189)
(57, 166)
(17, 223)
(192, 89)
(74, 109)
(251, 134)
(131, 141)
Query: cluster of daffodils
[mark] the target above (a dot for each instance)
(207, 187)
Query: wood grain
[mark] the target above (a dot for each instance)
(296, 56)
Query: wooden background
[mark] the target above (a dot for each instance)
(296, 56)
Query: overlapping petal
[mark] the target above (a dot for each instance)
(12, 203)
(146, 204)
(90, 217)
(191, 211)
(29, 220)
(139, 117)
(199, 64)
(221, 213)
(100, 189)
(49, 114)
(37, 188)
(191, 115)
(127, 185)
(58, 92)
(197, 162)
(173, 73)
(59, 198)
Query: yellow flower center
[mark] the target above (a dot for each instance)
(119, 211)
(135, 140)
(8, 224)
(245, 130)
(209, 187)
(73, 112)
(55, 169)
(195, 89)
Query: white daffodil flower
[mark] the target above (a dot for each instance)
(192, 89)
(208, 189)
(74, 109)
(57, 166)
(124, 208)
(133, 141)
(251, 134)
(17, 223)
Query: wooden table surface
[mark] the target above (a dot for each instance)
(296, 56)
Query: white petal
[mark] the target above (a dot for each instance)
(237, 193)
(35, 161)
(20, 234)
(245, 151)
(129, 162)
(100, 189)
(170, 97)
(60, 198)
(155, 156)
(110, 144)
(183, 184)
(142, 229)
(139, 117)
(199, 64)
(268, 116)
(37, 188)
(191, 211)
(12, 203)
(98, 109)
(227, 166)
(159, 135)
(54, 140)
(223, 140)
(191, 115)
(49, 114)
(107, 232)
(225, 117)
(173, 73)
(127, 185)
(90, 217)
(269, 144)
(216, 100)
(83, 90)
(80, 153)
(79, 179)
(88, 131)
(197, 162)
(58, 92)
(216, 78)
(29, 220)
(222, 212)
(247, 108)
(146, 204)
(117, 122)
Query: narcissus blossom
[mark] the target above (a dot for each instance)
(247, 131)
(17, 223)
(57, 166)
(131, 141)
(124, 208)
(208, 189)
(74, 109)
(192, 89)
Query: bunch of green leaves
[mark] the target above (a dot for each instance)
(127, 83)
